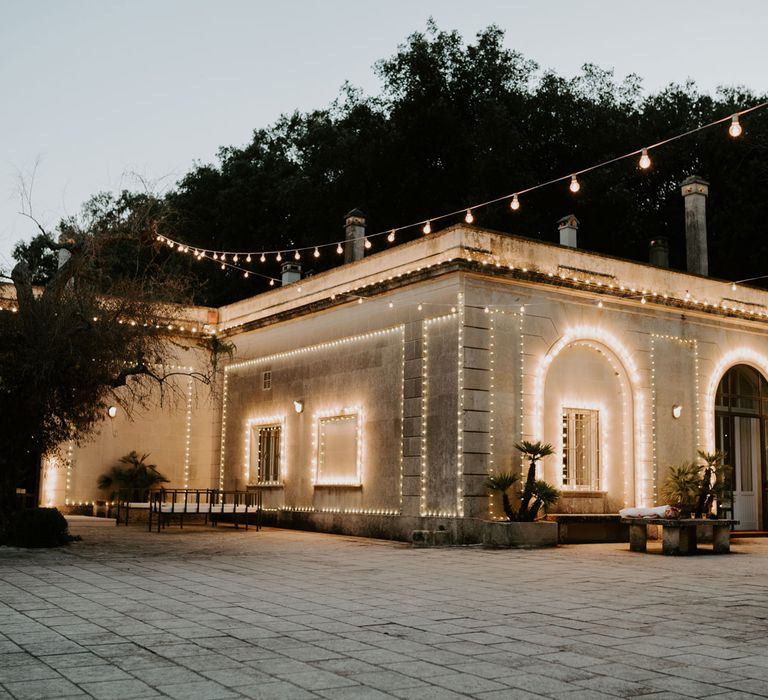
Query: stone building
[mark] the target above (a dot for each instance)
(376, 397)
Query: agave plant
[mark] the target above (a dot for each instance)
(132, 477)
(536, 494)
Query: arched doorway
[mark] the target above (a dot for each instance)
(741, 420)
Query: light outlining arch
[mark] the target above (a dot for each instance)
(739, 356)
(618, 356)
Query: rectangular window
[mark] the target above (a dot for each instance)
(265, 453)
(266, 379)
(581, 449)
(339, 450)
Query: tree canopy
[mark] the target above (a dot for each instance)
(459, 123)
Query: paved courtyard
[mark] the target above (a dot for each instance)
(225, 613)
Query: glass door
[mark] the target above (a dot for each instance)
(746, 471)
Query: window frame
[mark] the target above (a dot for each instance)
(569, 468)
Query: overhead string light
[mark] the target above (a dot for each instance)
(368, 243)
(734, 129)
(316, 253)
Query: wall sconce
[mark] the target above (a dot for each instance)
(677, 411)
(298, 406)
(112, 411)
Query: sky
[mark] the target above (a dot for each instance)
(100, 95)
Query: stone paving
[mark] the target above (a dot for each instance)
(225, 613)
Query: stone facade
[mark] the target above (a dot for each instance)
(418, 368)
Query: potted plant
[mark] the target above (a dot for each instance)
(521, 528)
(131, 479)
(693, 488)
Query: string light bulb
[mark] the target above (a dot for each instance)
(248, 258)
(279, 256)
(469, 218)
(427, 228)
(297, 255)
(391, 236)
(645, 160)
(246, 274)
(271, 282)
(235, 259)
(215, 256)
(263, 258)
(574, 186)
(367, 243)
(735, 128)
(316, 253)
(339, 249)
(223, 256)
(514, 205)
(733, 286)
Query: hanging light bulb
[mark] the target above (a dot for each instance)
(469, 218)
(223, 256)
(360, 300)
(263, 258)
(245, 274)
(427, 228)
(316, 253)
(514, 205)
(419, 307)
(735, 128)
(367, 243)
(599, 304)
(279, 256)
(645, 160)
(391, 305)
(391, 236)
(271, 283)
(574, 186)
(733, 287)
(223, 266)
(235, 259)
(296, 256)
(248, 258)
(339, 249)
(215, 256)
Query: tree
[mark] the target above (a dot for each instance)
(103, 329)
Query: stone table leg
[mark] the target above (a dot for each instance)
(638, 537)
(678, 541)
(721, 539)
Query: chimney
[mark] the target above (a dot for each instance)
(291, 272)
(568, 226)
(695, 191)
(354, 229)
(659, 251)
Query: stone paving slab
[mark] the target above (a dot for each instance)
(207, 614)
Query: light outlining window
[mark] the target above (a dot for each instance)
(582, 446)
(264, 461)
(334, 429)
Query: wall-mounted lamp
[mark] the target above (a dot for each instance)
(677, 411)
(112, 411)
(298, 406)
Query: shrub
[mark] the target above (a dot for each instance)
(39, 527)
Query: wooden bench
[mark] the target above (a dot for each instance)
(678, 535)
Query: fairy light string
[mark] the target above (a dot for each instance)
(231, 259)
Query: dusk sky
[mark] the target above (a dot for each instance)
(94, 91)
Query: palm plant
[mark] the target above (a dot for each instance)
(681, 487)
(713, 482)
(536, 495)
(502, 482)
(132, 477)
(533, 451)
